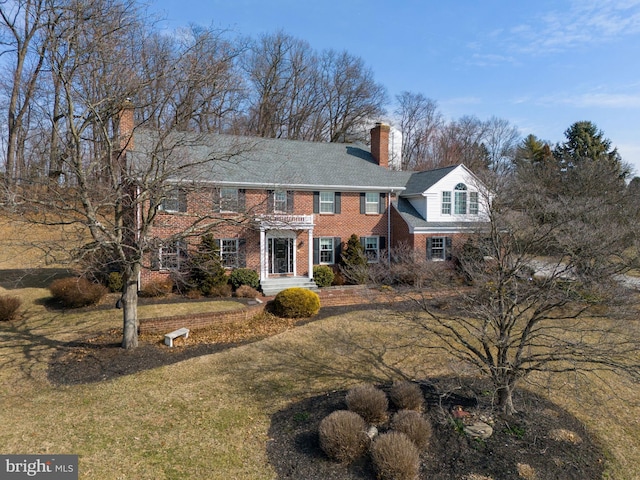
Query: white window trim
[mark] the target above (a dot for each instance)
(447, 204)
(331, 203)
(172, 198)
(167, 252)
(443, 248)
(224, 253)
(226, 201)
(370, 205)
(377, 249)
(331, 250)
(277, 201)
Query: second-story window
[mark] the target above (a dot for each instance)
(327, 202)
(228, 199)
(372, 202)
(280, 201)
(175, 200)
(446, 203)
(460, 206)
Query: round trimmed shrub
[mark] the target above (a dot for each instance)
(406, 396)
(76, 292)
(369, 402)
(343, 436)
(296, 303)
(414, 426)
(395, 457)
(9, 306)
(244, 276)
(323, 275)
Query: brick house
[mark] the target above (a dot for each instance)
(280, 207)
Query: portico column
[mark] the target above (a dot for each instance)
(263, 256)
(310, 247)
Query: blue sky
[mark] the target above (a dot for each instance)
(540, 64)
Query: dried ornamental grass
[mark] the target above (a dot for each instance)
(395, 457)
(415, 426)
(369, 402)
(343, 436)
(406, 396)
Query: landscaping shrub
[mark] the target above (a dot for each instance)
(157, 288)
(221, 290)
(115, 282)
(244, 276)
(323, 275)
(245, 291)
(354, 264)
(395, 457)
(343, 436)
(369, 402)
(296, 303)
(206, 272)
(406, 396)
(75, 292)
(414, 426)
(9, 306)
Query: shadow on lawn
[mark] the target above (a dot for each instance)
(12, 279)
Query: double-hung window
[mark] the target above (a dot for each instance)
(473, 203)
(280, 201)
(326, 250)
(460, 206)
(229, 252)
(228, 199)
(371, 248)
(439, 248)
(446, 203)
(372, 202)
(327, 202)
(172, 255)
(175, 200)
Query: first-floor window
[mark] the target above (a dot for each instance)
(439, 248)
(172, 255)
(229, 252)
(326, 251)
(371, 248)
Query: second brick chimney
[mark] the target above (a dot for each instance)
(380, 144)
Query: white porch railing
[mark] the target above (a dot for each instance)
(285, 221)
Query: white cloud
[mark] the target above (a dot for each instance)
(594, 100)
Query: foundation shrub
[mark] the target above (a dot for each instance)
(369, 402)
(115, 282)
(323, 275)
(343, 436)
(395, 457)
(9, 306)
(244, 276)
(414, 426)
(245, 291)
(157, 288)
(296, 303)
(76, 292)
(221, 290)
(406, 396)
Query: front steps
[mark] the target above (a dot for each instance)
(272, 286)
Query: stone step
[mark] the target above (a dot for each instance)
(272, 286)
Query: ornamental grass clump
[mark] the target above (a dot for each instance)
(343, 436)
(9, 306)
(76, 292)
(369, 402)
(296, 303)
(395, 457)
(414, 426)
(406, 396)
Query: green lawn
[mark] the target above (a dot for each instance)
(208, 417)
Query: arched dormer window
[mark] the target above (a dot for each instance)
(460, 201)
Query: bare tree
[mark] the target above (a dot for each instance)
(501, 141)
(544, 291)
(419, 122)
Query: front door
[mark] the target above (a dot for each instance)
(281, 255)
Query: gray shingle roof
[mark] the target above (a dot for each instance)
(421, 181)
(228, 159)
(416, 223)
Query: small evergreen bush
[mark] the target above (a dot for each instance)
(206, 271)
(115, 282)
(221, 290)
(245, 291)
(354, 265)
(369, 402)
(296, 303)
(75, 292)
(414, 426)
(395, 457)
(157, 288)
(406, 396)
(323, 275)
(9, 306)
(244, 276)
(343, 436)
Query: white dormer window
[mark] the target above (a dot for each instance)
(446, 203)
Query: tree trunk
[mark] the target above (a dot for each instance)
(130, 309)
(505, 398)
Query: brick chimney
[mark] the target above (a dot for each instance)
(125, 125)
(380, 144)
